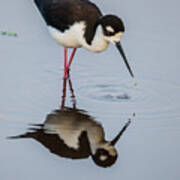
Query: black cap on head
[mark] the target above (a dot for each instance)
(112, 21)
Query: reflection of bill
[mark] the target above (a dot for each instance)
(72, 133)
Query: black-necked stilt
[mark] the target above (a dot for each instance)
(80, 23)
(72, 133)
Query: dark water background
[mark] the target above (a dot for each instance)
(31, 71)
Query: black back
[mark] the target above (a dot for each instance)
(63, 13)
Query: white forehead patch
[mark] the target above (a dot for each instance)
(110, 29)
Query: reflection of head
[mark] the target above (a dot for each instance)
(105, 154)
(104, 157)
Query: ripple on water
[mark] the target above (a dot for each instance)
(146, 96)
(111, 90)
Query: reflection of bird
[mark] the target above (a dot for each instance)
(80, 23)
(72, 133)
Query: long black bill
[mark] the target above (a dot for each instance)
(115, 140)
(118, 45)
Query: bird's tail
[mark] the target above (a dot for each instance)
(37, 2)
(43, 6)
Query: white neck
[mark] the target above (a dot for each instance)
(99, 43)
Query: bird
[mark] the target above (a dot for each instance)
(80, 23)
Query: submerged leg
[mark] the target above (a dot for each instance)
(64, 94)
(72, 93)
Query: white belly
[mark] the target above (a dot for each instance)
(67, 38)
(74, 38)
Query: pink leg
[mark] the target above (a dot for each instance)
(71, 58)
(65, 63)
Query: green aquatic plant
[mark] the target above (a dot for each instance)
(8, 33)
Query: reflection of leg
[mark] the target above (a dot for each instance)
(71, 58)
(71, 90)
(65, 63)
(72, 93)
(64, 93)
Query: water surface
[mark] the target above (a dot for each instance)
(31, 74)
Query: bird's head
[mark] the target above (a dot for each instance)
(113, 29)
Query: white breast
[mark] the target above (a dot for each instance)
(74, 38)
(68, 38)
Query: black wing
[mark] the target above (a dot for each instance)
(63, 13)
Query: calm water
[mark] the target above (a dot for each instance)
(104, 97)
